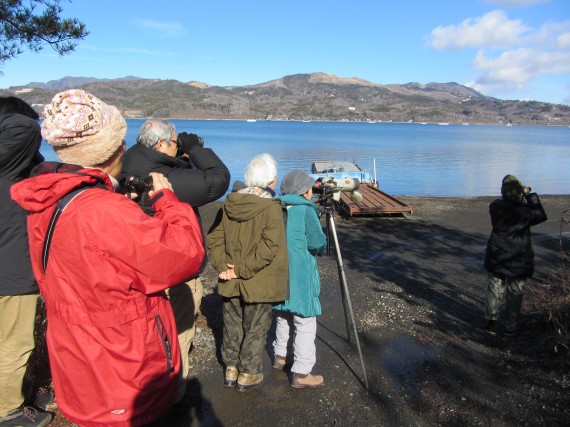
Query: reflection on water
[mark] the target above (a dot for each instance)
(411, 159)
(401, 357)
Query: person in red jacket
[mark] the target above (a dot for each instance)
(111, 334)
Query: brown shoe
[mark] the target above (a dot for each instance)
(231, 376)
(307, 381)
(246, 382)
(279, 362)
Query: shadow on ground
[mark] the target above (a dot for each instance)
(416, 286)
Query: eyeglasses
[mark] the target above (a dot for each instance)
(176, 142)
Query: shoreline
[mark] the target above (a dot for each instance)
(253, 120)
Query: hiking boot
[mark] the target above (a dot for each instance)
(279, 362)
(231, 376)
(491, 327)
(246, 382)
(307, 381)
(26, 416)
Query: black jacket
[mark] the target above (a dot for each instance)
(20, 139)
(509, 250)
(205, 180)
(197, 183)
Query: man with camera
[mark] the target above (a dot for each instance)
(198, 177)
(509, 256)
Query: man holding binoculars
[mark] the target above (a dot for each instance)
(509, 257)
(198, 177)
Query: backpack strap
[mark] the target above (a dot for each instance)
(59, 208)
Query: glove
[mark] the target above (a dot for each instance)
(190, 143)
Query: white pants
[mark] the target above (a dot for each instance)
(305, 331)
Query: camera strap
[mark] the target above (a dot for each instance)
(59, 208)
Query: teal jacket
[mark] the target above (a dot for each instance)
(305, 240)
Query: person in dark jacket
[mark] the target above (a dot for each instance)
(20, 140)
(509, 257)
(198, 177)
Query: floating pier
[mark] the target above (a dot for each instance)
(374, 202)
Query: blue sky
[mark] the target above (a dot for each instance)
(509, 49)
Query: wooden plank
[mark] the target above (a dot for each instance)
(374, 202)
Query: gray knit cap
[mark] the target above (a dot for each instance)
(238, 185)
(296, 182)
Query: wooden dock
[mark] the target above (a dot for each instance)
(374, 202)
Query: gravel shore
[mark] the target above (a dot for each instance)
(416, 285)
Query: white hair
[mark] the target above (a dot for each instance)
(154, 129)
(261, 171)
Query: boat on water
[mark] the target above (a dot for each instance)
(369, 200)
(340, 170)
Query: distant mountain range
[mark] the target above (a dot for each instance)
(316, 96)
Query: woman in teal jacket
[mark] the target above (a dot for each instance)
(305, 240)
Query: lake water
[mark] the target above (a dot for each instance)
(411, 158)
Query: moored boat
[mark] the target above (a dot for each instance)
(370, 199)
(340, 170)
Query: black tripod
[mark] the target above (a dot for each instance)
(328, 208)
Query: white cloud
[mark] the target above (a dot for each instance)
(130, 50)
(510, 55)
(513, 70)
(162, 29)
(491, 30)
(563, 41)
(551, 35)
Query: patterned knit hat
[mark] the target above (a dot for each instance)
(511, 187)
(82, 129)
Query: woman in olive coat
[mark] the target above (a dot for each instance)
(247, 246)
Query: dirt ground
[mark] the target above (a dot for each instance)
(416, 285)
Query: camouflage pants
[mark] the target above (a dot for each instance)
(507, 290)
(245, 333)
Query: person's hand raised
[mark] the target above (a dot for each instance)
(159, 182)
(190, 142)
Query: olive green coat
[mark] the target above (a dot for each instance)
(250, 234)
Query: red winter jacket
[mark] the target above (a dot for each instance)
(111, 335)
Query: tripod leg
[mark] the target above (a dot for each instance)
(346, 299)
(328, 232)
(331, 232)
